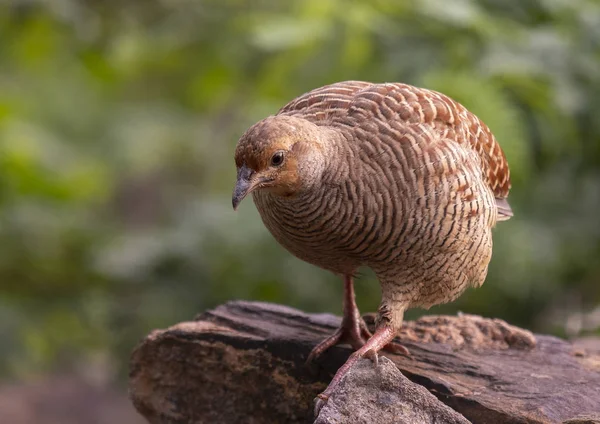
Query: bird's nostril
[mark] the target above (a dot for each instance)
(244, 173)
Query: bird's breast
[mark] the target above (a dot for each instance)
(335, 227)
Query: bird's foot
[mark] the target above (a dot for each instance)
(376, 342)
(322, 398)
(355, 333)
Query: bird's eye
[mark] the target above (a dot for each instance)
(277, 159)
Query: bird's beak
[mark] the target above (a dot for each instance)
(243, 186)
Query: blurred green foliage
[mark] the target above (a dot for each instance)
(118, 121)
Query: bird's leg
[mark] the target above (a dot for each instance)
(382, 337)
(353, 329)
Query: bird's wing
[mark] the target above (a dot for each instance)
(412, 105)
(325, 103)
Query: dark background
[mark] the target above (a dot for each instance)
(118, 121)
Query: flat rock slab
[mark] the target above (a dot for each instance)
(244, 362)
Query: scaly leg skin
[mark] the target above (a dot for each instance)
(382, 337)
(353, 330)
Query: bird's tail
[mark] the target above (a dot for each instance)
(504, 210)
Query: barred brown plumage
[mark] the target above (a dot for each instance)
(401, 179)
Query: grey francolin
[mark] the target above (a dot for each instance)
(400, 179)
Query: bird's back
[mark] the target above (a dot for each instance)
(402, 107)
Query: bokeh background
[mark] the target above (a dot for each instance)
(118, 121)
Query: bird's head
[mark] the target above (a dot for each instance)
(281, 154)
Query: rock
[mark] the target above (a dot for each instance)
(584, 419)
(381, 394)
(244, 362)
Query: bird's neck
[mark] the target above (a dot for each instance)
(339, 157)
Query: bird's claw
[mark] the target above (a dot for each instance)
(373, 357)
(320, 402)
(323, 397)
(397, 349)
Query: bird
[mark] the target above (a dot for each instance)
(400, 179)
